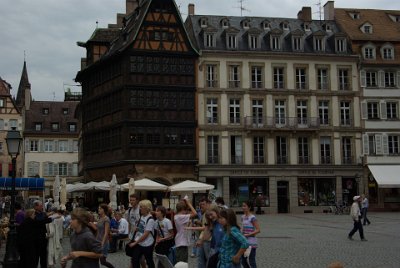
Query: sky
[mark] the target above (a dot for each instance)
(45, 32)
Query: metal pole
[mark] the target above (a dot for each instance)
(11, 257)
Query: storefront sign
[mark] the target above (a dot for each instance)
(315, 172)
(247, 172)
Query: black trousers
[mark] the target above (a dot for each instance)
(41, 251)
(139, 252)
(357, 227)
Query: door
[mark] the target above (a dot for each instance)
(283, 198)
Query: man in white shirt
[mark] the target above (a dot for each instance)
(121, 233)
(355, 214)
(132, 214)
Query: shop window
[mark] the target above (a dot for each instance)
(316, 191)
(245, 189)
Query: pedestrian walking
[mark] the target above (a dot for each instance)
(202, 244)
(41, 219)
(250, 228)
(234, 244)
(364, 209)
(103, 233)
(27, 241)
(217, 233)
(355, 214)
(86, 250)
(165, 233)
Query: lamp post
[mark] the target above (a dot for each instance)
(11, 257)
(357, 177)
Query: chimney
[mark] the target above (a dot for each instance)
(329, 10)
(191, 9)
(304, 14)
(131, 5)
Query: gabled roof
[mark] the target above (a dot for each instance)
(102, 35)
(384, 29)
(4, 88)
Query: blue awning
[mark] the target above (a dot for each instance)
(23, 184)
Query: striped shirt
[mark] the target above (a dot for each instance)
(248, 227)
(231, 244)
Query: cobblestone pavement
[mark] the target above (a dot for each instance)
(314, 240)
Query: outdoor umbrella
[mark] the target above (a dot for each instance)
(56, 192)
(190, 186)
(147, 185)
(131, 186)
(113, 192)
(63, 193)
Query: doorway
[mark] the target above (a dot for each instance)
(283, 199)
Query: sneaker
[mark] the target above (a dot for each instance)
(364, 239)
(350, 238)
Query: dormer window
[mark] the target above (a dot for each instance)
(285, 25)
(65, 111)
(306, 26)
(38, 126)
(387, 52)
(245, 24)
(225, 23)
(327, 27)
(395, 18)
(45, 111)
(275, 42)
(266, 25)
(253, 42)
(55, 126)
(231, 41)
(319, 44)
(369, 52)
(203, 22)
(297, 43)
(354, 15)
(340, 45)
(366, 28)
(209, 40)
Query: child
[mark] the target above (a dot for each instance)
(85, 249)
(250, 228)
(234, 244)
(165, 232)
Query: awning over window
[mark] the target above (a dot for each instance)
(387, 176)
(23, 184)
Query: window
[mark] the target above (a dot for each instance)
(212, 111)
(225, 23)
(45, 111)
(297, 44)
(391, 110)
(48, 146)
(170, 137)
(325, 150)
(72, 127)
(244, 189)
(341, 45)
(1, 124)
(236, 150)
(75, 146)
(302, 112)
(343, 76)
(75, 169)
(275, 43)
(253, 42)
(209, 40)
(390, 80)
(373, 110)
(355, 16)
(345, 118)
(258, 150)
(136, 138)
(393, 144)
(322, 76)
(63, 169)
(211, 76)
(367, 29)
(33, 169)
(369, 53)
(55, 127)
(316, 191)
(2, 102)
(231, 41)
(13, 124)
(371, 80)
(302, 143)
(212, 150)
(38, 126)
(371, 145)
(63, 146)
(257, 113)
(65, 111)
(234, 111)
(278, 78)
(301, 78)
(50, 169)
(346, 151)
(387, 53)
(266, 25)
(234, 79)
(319, 44)
(281, 150)
(323, 112)
(256, 77)
(34, 145)
(280, 113)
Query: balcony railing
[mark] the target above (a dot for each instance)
(304, 160)
(288, 123)
(347, 160)
(326, 160)
(236, 159)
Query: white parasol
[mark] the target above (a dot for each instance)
(113, 192)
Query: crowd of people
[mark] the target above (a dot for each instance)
(151, 234)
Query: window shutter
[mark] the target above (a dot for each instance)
(70, 146)
(365, 141)
(381, 78)
(27, 149)
(364, 110)
(363, 78)
(69, 169)
(55, 146)
(41, 145)
(385, 144)
(30, 169)
(383, 109)
(378, 144)
(36, 166)
(46, 169)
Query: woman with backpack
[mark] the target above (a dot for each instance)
(143, 242)
(250, 228)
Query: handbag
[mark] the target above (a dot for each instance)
(129, 250)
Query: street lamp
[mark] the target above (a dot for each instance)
(11, 257)
(357, 177)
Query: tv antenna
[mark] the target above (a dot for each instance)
(319, 12)
(241, 7)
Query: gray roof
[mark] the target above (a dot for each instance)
(256, 27)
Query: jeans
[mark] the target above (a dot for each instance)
(203, 253)
(364, 215)
(250, 262)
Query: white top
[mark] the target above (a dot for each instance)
(181, 236)
(355, 211)
(165, 225)
(145, 224)
(123, 226)
(132, 215)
